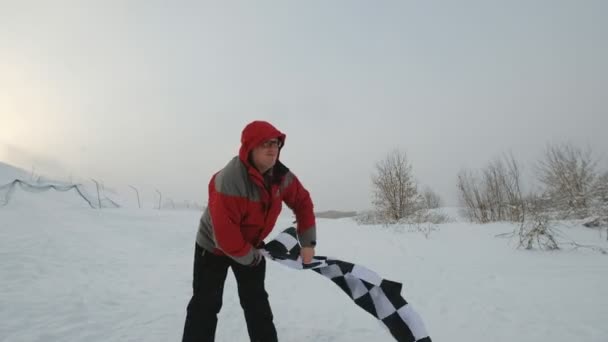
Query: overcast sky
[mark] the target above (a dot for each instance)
(155, 94)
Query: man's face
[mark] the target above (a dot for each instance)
(265, 155)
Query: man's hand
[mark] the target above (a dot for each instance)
(307, 253)
(257, 258)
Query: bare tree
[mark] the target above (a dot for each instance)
(431, 199)
(568, 174)
(495, 193)
(503, 180)
(395, 190)
(601, 187)
(599, 207)
(601, 195)
(470, 194)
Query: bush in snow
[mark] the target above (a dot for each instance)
(536, 228)
(369, 217)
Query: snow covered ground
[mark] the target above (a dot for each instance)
(71, 273)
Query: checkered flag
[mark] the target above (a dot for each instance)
(379, 297)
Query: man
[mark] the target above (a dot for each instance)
(245, 199)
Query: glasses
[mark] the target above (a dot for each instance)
(272, 143)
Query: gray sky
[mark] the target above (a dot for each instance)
(155, 94)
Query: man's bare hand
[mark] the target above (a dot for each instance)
(307, 253)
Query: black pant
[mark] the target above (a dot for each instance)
(210, 272)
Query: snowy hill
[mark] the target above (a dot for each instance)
(9, 173)
(18, 189)
(43, 191)
(125, 275)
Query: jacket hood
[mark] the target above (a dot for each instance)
(254, 134)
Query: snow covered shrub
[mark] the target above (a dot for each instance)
(536, 228)
(368, 217)
(428, 216)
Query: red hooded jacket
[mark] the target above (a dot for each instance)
(244, 207)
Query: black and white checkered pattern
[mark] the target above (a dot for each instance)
(379, 297)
